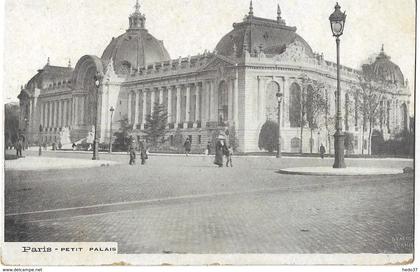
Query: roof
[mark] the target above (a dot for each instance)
(383, 69)
(255, 34)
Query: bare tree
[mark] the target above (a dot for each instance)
(316, 106)
(313, 105)
(369, 106)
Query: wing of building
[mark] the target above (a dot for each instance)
(233, 87)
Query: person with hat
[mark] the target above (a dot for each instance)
(220, 150)
(187, 146)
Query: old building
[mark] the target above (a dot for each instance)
(233, 87)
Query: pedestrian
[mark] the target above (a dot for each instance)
(132, 155)
(322, 151)
(143, 155)
(187, 146)
(229, 154)
(220, 146)
(73, 146)
(19, 146)
(208, 148)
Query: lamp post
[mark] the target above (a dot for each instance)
(110, 130)
(97, 78)
(279, 96)
(337, 21)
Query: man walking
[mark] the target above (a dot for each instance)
(187, 146)
(322, 151)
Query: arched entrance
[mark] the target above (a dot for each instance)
(271, 101)
(295, 105)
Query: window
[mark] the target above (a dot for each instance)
(294, 105)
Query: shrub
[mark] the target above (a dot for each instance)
(269, 136)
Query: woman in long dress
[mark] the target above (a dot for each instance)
(219, 153)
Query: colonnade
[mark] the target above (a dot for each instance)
(56, 113)
(185, 103)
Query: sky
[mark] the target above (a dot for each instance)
(66, 30)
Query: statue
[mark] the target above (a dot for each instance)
(65, 136)
(90, 138)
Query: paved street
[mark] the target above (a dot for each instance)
(187, 205)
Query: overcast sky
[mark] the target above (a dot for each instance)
(69, 29)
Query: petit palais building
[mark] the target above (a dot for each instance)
(233, 87)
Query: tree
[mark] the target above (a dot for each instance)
(316, 106)
(122, 136)
(155, 126)
(269, 136)
(370, 99)
(178, 139)
(11, 123)
(233, 139)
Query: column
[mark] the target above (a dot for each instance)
(208, 101)
(197, 102)
(187, 103)
(259, 106)
(45, 122)
(60, 114)
(136, 108)
(236, 101)
(65, 113)
(161, 95)
(129, 107)
(211, 93)
(169, 104)
(31, 113)
(152, 100)
(285, 103)
(143, 118)
(230, 99)
(76, 109)
(178, 104)
(50, 113)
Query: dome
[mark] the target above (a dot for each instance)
(384, 69)
(135, 48)
(255, 34)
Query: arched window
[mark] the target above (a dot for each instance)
(346, 112)
(310, 106)
(295, 105)
(271, 101)
(404, 121)
(223, 108)
(356, 110)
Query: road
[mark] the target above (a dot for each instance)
(177, 204)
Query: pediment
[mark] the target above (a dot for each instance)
(294, 52)
(217, 62)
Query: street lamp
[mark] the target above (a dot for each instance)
(110, 130)
(279, 96)
(97, 78)
(337, 21)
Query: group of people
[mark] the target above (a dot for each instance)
(222, 150)
(132, 152)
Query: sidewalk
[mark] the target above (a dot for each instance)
(235, 155)
(48, 163)
(349, 171)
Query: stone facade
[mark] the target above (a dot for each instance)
(234, 86)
